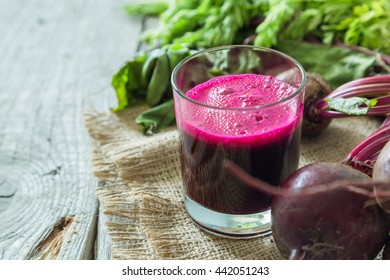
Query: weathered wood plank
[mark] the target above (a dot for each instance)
(103, 241)
(57, 60)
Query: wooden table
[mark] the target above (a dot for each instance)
(57, 59)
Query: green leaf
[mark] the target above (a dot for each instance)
(351, 106)
(198, 23)
(279, 14)
(305, 22)
(234, 61)
(119, 82)
(154, 8)
(157, 118)
(127, 82)
(337, 65)
(176, 53)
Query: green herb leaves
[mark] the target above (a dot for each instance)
(367, 25)
(364, 23)
(337, 65)
(186, 25)
(147, 78)
(157, 118)
(203, 24)
(127, 82)
(198, 23)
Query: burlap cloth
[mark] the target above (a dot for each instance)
(141, 191)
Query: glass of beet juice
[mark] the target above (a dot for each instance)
(243, 104)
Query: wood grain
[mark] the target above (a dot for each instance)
(57, 59)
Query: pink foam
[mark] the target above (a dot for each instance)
(252, 126)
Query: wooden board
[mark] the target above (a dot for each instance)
(57, 59)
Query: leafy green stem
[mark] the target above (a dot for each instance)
(382, 59)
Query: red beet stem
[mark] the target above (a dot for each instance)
(364, 155)
(380, 79)
(365, 188)
(376, 87)
(362, 90)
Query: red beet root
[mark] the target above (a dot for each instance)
(324, 211)
(334, 224)
(386, 251)
(317, 88)
(382, 173)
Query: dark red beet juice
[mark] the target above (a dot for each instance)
(233, 121)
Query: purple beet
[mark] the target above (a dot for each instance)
(333, 224)
(324, 211)
(381, 172)
(386, 250)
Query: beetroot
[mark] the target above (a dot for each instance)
(382, 173)
(333, 224)
(317, 88)
(324, 211)
(382, 164)
(386, 250)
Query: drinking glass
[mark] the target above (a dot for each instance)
(263, 139)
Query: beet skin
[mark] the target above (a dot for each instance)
(334, 224)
